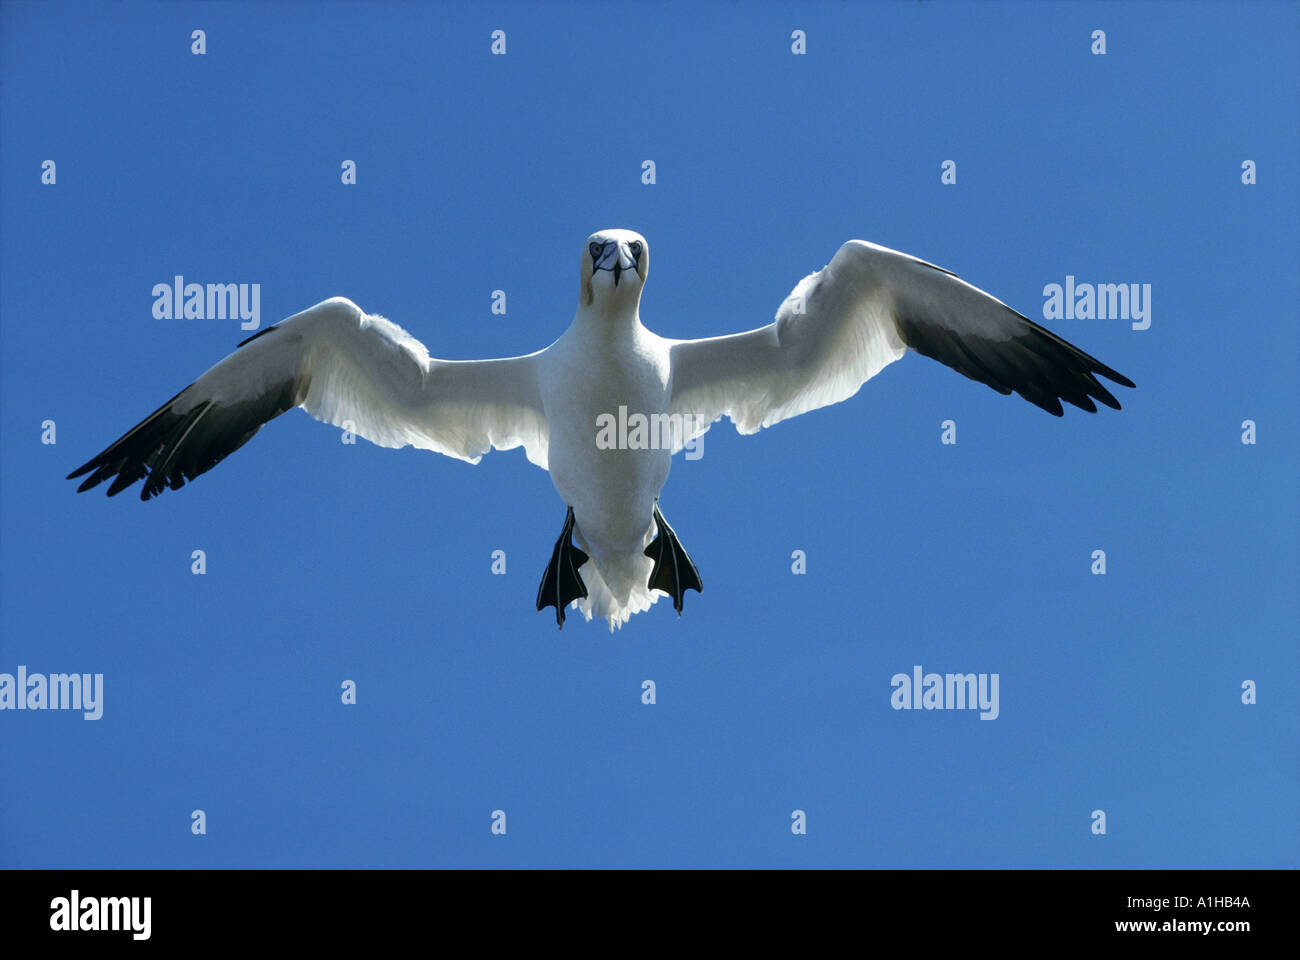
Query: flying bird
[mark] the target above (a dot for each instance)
(836, 330)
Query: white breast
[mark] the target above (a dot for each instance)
(594, 386)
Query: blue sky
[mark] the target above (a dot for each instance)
(328, 562)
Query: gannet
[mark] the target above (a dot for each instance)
(836, 330)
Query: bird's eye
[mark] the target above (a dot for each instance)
(594, 249)
(635, 247)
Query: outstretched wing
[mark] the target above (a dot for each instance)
(844, 324)
(346, 368)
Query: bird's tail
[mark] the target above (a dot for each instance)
(616, 590)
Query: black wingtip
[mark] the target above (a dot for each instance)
(1099, 368)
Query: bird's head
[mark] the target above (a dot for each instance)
(614, 267)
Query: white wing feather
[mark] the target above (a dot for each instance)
(844, 324)
(344, 367)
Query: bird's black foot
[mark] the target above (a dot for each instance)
(674, 573)
(561, 584)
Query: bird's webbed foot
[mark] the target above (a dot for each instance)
(674, 572)
(561, 584)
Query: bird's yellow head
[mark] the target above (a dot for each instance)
(615, 264)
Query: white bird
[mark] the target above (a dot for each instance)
(838, 328)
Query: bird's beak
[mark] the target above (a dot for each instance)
(616, 258)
